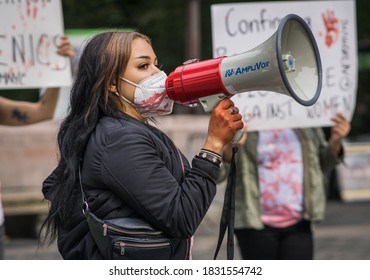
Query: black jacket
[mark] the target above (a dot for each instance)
(133, 169)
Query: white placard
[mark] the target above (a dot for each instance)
(29, 33)
(237, 28)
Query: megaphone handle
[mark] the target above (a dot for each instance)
(238, 135)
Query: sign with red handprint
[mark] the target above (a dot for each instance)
(240, 27)
(332, 31)
(29, 35)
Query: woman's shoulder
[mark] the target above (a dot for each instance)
(124, 122)
(124, 126)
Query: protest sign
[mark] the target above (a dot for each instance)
(239, 27)
(29, 35)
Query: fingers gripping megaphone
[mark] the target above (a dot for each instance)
(288, 63)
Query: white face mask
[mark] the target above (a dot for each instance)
(150, 98)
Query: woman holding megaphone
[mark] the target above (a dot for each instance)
(129, 168)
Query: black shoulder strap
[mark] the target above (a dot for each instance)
(85, 206)
(228, 211)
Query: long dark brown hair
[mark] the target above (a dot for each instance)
(103, 60)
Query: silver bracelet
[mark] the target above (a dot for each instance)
(212, 153)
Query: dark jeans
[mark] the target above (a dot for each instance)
(2, 241)
(290, 243)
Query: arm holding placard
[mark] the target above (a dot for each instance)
(15, 113)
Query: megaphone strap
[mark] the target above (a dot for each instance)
(228, 211)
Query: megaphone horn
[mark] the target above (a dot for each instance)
(288, 63)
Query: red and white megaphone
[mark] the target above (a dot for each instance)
(288, 63)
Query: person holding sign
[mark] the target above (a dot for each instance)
(280, 189)
(16, 113)
(129, 168)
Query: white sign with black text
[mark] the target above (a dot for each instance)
(29, 33)
(240, 27)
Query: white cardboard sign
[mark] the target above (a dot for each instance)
(237, 28)
(29, 33)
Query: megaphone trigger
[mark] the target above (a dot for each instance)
(210, 102)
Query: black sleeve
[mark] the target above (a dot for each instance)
(134, 167)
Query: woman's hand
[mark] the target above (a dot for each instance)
(225, 121)
(65, 48)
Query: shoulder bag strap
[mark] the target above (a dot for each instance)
(85, 205)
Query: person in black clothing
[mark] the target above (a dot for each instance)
(129, 167)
